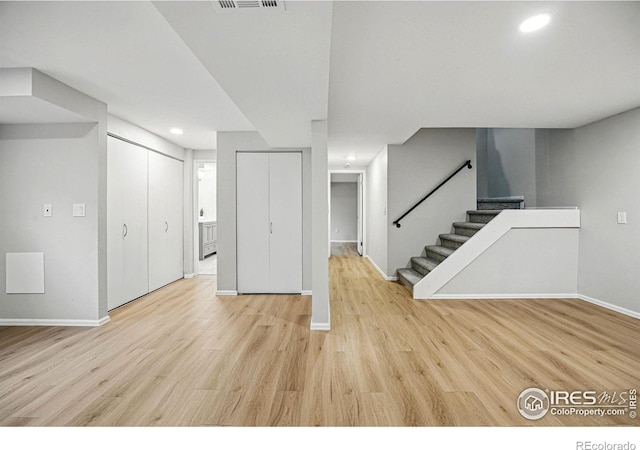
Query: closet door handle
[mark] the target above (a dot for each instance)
(166, 225)
(125, 230)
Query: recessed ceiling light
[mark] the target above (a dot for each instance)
(177, 131)
(351, 158)
(534, 23)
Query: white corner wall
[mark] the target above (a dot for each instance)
(376, 210)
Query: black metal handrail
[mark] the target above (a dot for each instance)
(467, 164)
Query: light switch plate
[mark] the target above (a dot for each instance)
(622, 217)
(78, 210)
(48, 212)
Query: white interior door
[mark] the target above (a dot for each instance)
(252, 222)
(360, 215)
(127, 272)
(165, 220)
(285, 200)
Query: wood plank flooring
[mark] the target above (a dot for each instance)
(183, 357)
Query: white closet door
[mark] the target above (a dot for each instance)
(127, 272)
(252, 222)
(165, 220)
(285, 200)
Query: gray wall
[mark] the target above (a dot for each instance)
(414, 168)
(228, 144)
(344, 212)
(507, 163)
(596, 167)
(69, 164)
(376, 198)
(56, 164)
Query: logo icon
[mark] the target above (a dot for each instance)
(533, 403)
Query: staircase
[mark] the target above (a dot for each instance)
(488, 208)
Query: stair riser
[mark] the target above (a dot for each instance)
(481, 218)
(465, 231)
(435, 256)
(450, 244)
(421, 270)
(405, 283)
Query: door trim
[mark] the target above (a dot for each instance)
(362, 172)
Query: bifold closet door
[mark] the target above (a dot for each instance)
(127, 273)
(285, 201)
(252, 222)
(269, 222)
(165, 220)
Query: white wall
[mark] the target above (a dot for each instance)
(525, 262)
(376, 198)
(207, 191)
(596, 167)
(134, 133)
(344, 212)
(320, 304)
(416, 167)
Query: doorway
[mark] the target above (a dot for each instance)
(206, 223)
(347, 212)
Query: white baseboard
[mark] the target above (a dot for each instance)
(620, 309)
(349, 242)
(189, 275)
(498, 296)
(384, 275)
(226, 292)
(104, 320)
(320, 326)
(53, 322)
(306, 293)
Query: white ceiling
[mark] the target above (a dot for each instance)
(378, 71)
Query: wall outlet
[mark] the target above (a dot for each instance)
(78, 210)
(622, 217)
(48, 212)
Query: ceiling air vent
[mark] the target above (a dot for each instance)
(246, 5)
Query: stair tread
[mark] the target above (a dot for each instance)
(427, 263)
(410, 275)
(473, 225)
(444, 251)
(484, 212)
(515, 199)
(455, 237)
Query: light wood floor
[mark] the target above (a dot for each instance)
(182, 356)
(344, 249)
